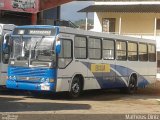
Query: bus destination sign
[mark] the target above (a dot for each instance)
(45, 32)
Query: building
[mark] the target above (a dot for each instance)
(22, 12)
(137, 19)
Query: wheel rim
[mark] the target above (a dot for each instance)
(132, 84)
(75, 88)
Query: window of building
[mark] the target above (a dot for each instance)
(0, 46)
(121, 50)
(143, 54)
(80, 47)
(108, 49)
(94, 48)
(152, 52)
(132, 51)
(158, 66)
(108, 24)
(65, 56)
(158, 24)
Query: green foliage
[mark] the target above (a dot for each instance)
(83, 22)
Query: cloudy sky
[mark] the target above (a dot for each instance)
(69, 10)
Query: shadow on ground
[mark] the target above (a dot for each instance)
(104, 95)
(92, 95)
(14, 105)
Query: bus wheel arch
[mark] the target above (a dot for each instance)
(132, 84)
(76, 86)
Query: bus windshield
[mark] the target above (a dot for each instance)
(38, 50)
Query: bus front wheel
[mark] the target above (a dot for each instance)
(76, 88)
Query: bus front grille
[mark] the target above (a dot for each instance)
(31, 72)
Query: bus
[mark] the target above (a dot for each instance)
(5, 31)
(58, 59)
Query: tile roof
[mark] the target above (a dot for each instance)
(134, 8)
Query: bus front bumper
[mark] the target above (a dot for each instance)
(30, 86)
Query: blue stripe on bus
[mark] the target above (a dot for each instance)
(117, 77)
(124, 71)
(142, 82)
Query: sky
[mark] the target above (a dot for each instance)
(69, 10)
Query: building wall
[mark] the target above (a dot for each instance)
(130, 22)
(8, 17)
(48, 16)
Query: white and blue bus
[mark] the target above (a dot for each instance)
(5, 31)
(52, 58)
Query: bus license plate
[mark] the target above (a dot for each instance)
(45, 87)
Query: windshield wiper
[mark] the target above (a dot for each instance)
(30, 51)
(38, 41)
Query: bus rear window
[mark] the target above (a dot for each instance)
(152, 52)
(132, 51)
(143, 52)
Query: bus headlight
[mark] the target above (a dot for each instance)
(51, 80)
(42, 79)
(46, 80)
(12, 77)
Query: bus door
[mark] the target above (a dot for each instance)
(65, 64)
(5, 53)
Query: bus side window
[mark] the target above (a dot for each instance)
(94, 48)
(132, 51)
(6, 48)
(152, 52)
(65, 56)
(80, 47)
(143, 52)
(108, 49)
(121, 48)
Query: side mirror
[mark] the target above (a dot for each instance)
(6, 48)
(58, 45)
(6, 40)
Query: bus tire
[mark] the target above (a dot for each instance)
(76, 88)
(132, 86)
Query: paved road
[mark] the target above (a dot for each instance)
(24, 106)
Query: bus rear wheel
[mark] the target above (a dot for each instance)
(76, 88)
(132, 87)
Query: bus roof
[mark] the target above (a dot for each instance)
(103, 35)
(87, 33)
